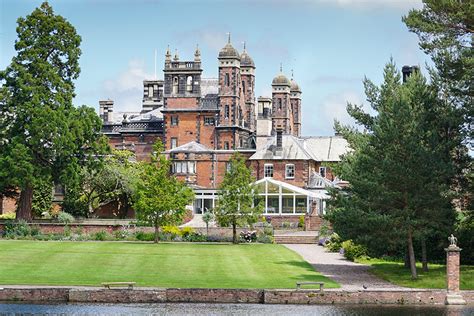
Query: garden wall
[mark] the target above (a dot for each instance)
(255, 296)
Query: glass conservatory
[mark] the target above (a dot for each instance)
(282, 198)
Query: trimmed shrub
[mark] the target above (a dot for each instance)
(143, 236)
(17, 229)
(172, 230)
(353, 251)
(102, 235)
(265, 239)
(65, 218)
(195, 237)
(301, 221)
(186, 231)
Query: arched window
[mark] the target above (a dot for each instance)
(279, 104)
(226, 112)
(189, 84)
(243, 86)
(175, 85)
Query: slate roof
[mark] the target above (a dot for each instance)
(191, 147)
(324, 148)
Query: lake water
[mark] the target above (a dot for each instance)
(231, 309)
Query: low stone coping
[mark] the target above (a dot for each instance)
(198, 295)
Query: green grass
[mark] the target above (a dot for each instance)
(184, 265)
(435, 278)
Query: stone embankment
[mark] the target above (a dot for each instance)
(255, 296)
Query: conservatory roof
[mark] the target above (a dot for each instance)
(293, 188)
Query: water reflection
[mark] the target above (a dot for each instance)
(231, 309)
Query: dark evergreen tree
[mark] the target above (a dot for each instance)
(401, 168)
(42, 135)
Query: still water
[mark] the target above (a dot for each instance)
(230, 309)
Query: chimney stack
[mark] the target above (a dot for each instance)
(106, 110)
(407, 71)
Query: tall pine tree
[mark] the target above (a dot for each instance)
(400, 170)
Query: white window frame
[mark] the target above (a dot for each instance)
(287, 166)
(174, 120)
(265, 166)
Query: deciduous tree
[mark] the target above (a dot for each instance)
(160, 198)
(237, 202)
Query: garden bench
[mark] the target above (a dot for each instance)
(299, 284)
(116, 284)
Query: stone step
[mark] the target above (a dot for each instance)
(288, 239)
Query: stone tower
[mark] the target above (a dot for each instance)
(282, 116)
(295, 100)
(247, 70)
(231, 105)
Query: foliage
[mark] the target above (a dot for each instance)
(324, 230)
(65, 218)
(238, 199)
(160, 199)
(144, 236)
(301, 221)
(445, 30)
(8, 216)
(42, 197)
(400, 170)
(42, 135)
(353, 251)
(265, 239)
(334, 244)
(100, 235)
(14, 229)
(208, 217)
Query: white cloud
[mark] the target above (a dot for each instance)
(127, 88)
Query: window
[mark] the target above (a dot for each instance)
(290, 171)
(150, 92)
(322, 171)
(175, 85)
(227, 166)
(279, 104)
(187, 167)
(189, 84)
(174, 142)
(241, 142)
(226, 145)
(226, 112)
(268, 170)
(174, 120)
(209, 121)
(243, 86)
(226, 80)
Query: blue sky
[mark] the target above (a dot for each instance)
(330, 44)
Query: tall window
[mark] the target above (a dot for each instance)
(226, 80)
(150, 92)
(279, 104)
(226, 111)
(174, 120)
(268, 170)
(322, 171)
(174, 142)
(289, 171)
(189, 84)
(175, 85)
(243, 86)
(226, 145)
(187, 167)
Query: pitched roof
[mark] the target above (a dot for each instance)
(292, 149)
(321, 148)
(191, 147)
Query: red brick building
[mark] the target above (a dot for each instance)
(202, 122)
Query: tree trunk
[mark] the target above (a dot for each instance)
(424, 260)
(157, 230)
(25, 203)
(411, 254)
(234, 233)
(407, 260)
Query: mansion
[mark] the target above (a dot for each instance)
(204, 121)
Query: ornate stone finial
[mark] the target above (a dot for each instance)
(244, 45)
(228, 37)
(176, 57)
(291, 74)
(281, 67)
(452, 241)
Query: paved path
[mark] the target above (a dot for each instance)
(351, 276)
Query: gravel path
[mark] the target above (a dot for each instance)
(351, 276)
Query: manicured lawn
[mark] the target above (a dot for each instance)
(435, 278)
(164, 265)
